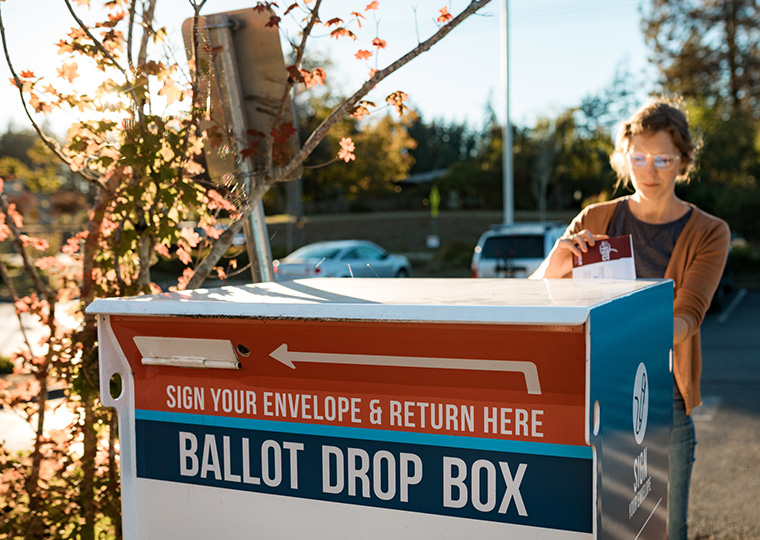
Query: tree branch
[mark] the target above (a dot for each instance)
(95, 41)
(282, 173)
(273, 175)
(300, 50)
(50, 143)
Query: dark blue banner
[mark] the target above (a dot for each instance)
(508, 487)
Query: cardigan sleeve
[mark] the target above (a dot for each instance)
(702, 272)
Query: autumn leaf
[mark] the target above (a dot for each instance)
(27, 74)
(363, 55)
(396, 100)
(68, 71)
(444, 16)
(342, 32)
(251, 149)
(372, 5)
(182, 282)
(290, 8)
(220, 272)
(171, 91)
(346, 149)
(189, 235)
(274, 22)
(36, 243)
(314, 78)
(334, 22)
(283, 133)
(264, 6)
(361, 110)
(379, 43)
(358, 16)
(162, 250)
(372, 72)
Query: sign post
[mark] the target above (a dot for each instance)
(393, 408)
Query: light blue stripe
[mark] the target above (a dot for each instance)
(404, 437)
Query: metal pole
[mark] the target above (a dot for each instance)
(508, 174)
(294, 190)
(256, 238)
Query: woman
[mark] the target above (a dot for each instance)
(672, 239)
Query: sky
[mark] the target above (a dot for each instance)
(560, 51)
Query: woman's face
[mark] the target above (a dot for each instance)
(653, 164)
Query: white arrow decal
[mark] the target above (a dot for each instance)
(528, 369)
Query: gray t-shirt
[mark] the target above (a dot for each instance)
(653, 243)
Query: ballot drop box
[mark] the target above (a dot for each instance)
(393, 408)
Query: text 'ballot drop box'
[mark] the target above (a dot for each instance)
(389, 408)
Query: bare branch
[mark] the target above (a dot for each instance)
(218, 249)
(147, 27)
(14, 296)
(29, 267)
(274, 175)
(300, 50)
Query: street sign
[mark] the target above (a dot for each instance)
(393, 408)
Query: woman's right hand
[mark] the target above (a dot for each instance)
(578, 243)
(559, 263)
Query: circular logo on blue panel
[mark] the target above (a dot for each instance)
(640, 403)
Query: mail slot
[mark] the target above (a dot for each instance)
(386, 408)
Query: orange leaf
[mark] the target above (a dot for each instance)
(346, 149)
(396, 99)
(445, 16)
(362, 54)
(290, 8)
(342, 32)
(379, 43)
(360, 111)
(68, 71)
(358, 16)
(372, 5)
(334, 22)
(316, 77)
(27, 74)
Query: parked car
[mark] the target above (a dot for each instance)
(341, 258)
(514, 251)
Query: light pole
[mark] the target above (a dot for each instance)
(508, 174)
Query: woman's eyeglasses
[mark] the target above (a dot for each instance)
(638, 160)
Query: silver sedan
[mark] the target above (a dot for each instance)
(341, 258)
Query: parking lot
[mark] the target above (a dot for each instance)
(726, 478)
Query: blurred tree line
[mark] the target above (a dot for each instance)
(705, 52)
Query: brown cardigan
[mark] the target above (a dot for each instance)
(695, 266)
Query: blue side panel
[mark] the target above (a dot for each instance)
(500, 486)
(631, 379)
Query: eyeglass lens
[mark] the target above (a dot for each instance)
(661, 161)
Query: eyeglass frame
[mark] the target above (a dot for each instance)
(654, 157)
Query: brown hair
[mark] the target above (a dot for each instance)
(657, 115)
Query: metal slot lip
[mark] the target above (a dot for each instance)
(187, 352)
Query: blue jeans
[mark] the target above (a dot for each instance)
(682, 443)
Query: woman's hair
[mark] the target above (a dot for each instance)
(657, 115)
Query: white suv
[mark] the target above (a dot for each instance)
(514, 251)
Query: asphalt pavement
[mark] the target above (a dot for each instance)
(725, 491)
